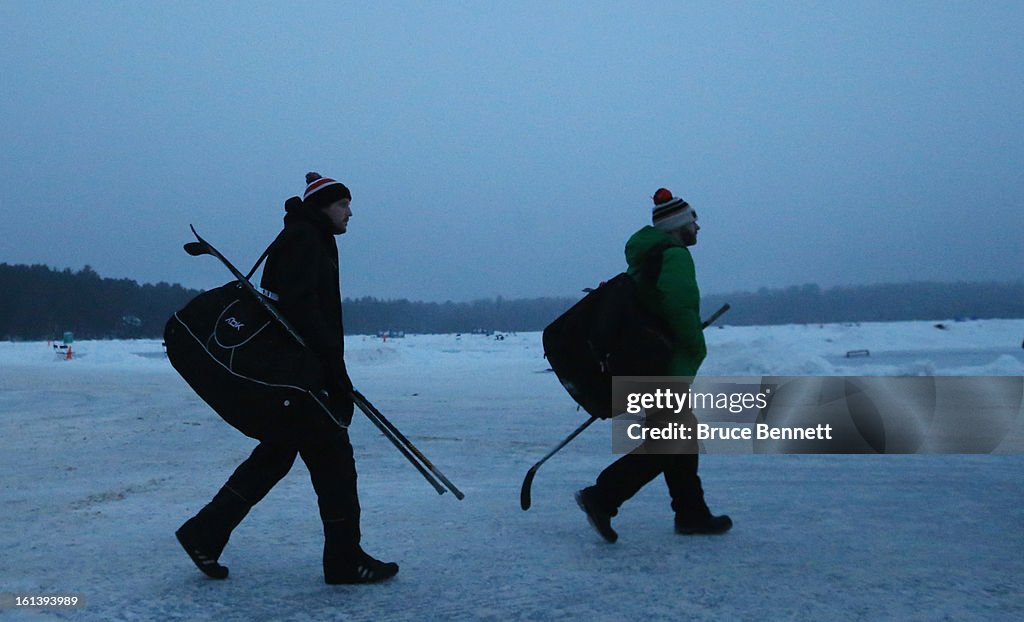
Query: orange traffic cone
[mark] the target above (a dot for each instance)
(68, 356)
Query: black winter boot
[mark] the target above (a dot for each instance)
(205, 535)
(600, 519)
(702, 524)
(345, 562)
(357, 567)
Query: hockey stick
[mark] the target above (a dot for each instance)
(202, 247)
(524, 493)
(371, 411)
(716, 315)
(402, 448)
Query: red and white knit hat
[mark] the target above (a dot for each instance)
(670, 212)
(322, 191)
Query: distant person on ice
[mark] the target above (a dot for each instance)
(301, 276)
(676, 299)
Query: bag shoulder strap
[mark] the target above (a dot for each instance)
(650, 269)
(259, 261)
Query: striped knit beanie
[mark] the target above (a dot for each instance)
(322, 191)
(670, 212)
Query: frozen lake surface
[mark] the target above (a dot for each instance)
(103, 456)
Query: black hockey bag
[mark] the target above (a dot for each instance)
(607, 333)
(245, 365)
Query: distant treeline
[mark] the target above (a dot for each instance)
(37, 302)
(370, 315)
(809, 304)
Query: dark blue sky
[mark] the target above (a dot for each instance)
(511, 150)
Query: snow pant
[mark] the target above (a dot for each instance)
(332, 469)
(676, 460)
(627, 475)
(327, 452)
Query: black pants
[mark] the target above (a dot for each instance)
(627, 475)
(675, 459)
(332, 469)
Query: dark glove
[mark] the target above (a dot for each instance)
(335, 372)
(341, 407)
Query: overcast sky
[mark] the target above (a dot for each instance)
(510, 149)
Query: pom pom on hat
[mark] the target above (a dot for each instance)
(322, 191)
(663, 195)
(670, 212)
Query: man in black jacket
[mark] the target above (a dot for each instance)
(301, 277)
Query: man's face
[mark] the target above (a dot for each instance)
(688, 234)
(338, 213)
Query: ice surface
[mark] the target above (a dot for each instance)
(103, 456)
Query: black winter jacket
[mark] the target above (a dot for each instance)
(302, 271)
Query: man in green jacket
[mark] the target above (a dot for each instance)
(675, 297)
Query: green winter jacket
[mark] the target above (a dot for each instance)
(675, 297)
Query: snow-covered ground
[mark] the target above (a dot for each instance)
(103, 456)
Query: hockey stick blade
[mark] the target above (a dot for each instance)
(524, 493)
(200, 247)
(196, 249)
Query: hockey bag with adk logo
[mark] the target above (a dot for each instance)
(244, 364)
